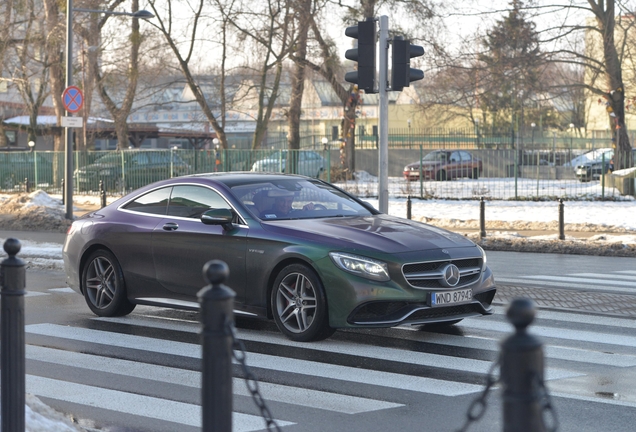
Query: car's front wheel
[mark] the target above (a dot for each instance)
(104, 286)
(299, 304)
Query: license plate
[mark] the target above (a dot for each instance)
(451, 297)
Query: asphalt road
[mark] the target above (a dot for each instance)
(135, 374)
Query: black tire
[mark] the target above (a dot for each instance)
(475, 174)
(103, 285)
(299, 304)
(441, 175)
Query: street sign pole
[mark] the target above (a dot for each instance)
(68, 141)
(383, 156)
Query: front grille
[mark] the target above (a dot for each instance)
(429, 274)
(398, 312)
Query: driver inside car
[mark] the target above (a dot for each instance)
(282, 206)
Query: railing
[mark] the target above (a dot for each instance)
(528, 173)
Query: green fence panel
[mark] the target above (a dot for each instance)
(544, 169)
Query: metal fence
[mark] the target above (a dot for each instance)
(530, 173)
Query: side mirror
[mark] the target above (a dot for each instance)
(220, 216)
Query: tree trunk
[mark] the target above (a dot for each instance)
(55, 30)
(616, 95)
(303, 12)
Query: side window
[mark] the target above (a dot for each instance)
(466, 157)
(155, 202)
(454, 157)
(192, 201)
(140, 159)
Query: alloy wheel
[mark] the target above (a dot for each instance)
(296, 303)
(101, 282)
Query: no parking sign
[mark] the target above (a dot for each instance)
(72, 99)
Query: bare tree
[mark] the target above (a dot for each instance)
(119, 103)
(270, 30)
(31, 71)
(183, 38)
(6, 41)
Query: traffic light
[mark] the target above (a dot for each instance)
(402, 73)
(364, 54)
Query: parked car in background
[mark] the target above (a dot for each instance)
(590, 156)
(310, 163)
(592, 164)
(130, 169)
(312, 257)
(16, 166)
(444, 165)
(592, 170)
(633, 161)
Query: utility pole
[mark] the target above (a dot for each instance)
(383, 156)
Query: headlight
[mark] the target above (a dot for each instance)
(483, 255)
(361, 266)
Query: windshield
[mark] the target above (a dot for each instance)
(297, 199)
(435, 157)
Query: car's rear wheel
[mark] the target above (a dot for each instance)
(475, 174)
(299, 304)
(441, 175)
(104, 286)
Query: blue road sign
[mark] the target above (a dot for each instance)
(72, 99)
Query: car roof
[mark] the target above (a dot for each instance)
(236, 178)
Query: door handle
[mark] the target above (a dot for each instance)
(170, 226)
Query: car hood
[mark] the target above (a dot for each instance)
(379, 232)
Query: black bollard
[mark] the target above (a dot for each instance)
(408, 207)
(62, 191)
(482, 217)
(27, 186)
(13, 281)
(522, 372)
(102, 193)
(217, 301)
(561, 219)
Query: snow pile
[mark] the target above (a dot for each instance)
(36, 211)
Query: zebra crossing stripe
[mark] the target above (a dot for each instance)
(579, 280)
(573, 317)
(577, 283)
(128, 403)
(265, 361)
(271, 392)
(561, 333)
(606, 277)
(334, 346)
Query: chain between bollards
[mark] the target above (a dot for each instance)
(561, 220)
(13, 282)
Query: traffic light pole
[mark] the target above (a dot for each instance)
(383, 156)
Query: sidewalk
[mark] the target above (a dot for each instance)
(621, 305)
